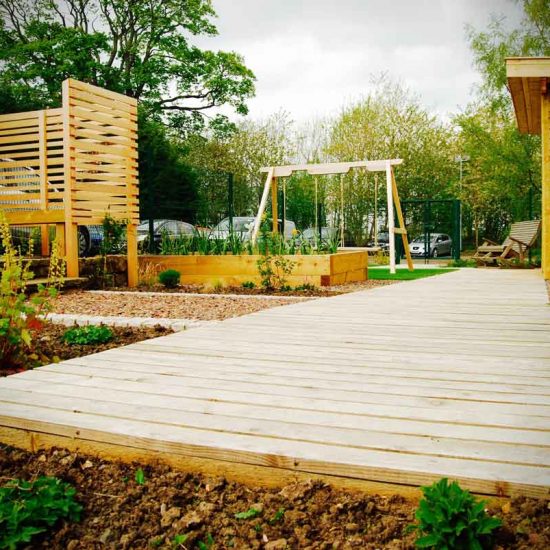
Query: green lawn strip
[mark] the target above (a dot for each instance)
(384, 274)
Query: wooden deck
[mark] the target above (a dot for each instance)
(445, 376)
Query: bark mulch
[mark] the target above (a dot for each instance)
(119, 513)
(172, 306)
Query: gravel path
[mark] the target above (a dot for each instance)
(204, 308)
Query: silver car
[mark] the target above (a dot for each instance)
(440, 244)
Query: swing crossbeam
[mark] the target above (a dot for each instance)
(274, 172)
(330, 167)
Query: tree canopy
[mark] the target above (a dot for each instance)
(141, 48)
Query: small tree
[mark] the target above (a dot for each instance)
(22, 317)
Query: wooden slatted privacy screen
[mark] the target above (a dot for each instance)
(32, 172)
(103, 137)
(71, 166)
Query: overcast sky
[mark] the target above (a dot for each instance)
(311, 57)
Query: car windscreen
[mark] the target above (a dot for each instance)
(422, 239)
(143, 227)
(239, 224)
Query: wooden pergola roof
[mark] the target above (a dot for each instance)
(528, 79)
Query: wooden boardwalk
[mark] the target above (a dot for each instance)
(445, 376)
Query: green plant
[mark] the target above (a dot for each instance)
(381, 258)
(139, 476)
(180, 245)
(249, 514)
(178, 541)
(450, 518)
(308, 287)
(113, 242)
(29, 508)
(170, 278)
(279, 515)
(21, 318)
(274, 271)
(87, 335)
(249, 284)
(114, 235)
(207, 543)
(462, 262)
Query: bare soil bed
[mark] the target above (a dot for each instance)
(172, 306)
(119, 513)
(49, 344)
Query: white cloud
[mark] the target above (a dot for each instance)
(311, 57)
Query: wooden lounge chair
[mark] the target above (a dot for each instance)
(523, 236)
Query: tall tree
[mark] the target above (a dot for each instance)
(142, 48)
(253, 145)
(491, 47)
(390, 123)
(502, 180)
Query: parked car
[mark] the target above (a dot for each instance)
(383, 241)
(440, 244)
(169, 228)
(90, 238)
(311, 234)
(244, 226)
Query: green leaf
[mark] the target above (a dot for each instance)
(26, 337)
(139, 476)
(250, 513)
(427, 541)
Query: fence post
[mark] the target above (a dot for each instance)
(43, 171)
(457, 229)
(71, 229)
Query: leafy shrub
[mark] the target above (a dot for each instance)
(463, 262)
(90, 334)
(114, 242)
(274, 271)
(381, 258)
(249, 284)
(450, 518)
(22, 317)
(170, 278)
(114, 235)
(30, 508)
(306, 287)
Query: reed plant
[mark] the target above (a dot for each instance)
(204, 242)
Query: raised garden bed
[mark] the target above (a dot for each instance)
(315, 269)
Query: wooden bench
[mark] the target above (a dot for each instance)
(522, 237)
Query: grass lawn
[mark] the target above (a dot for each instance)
(383, 273)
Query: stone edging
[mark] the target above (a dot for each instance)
(69, 319)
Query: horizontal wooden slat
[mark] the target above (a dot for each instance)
(96, 126)
(102, 92)
(111, 150)
(84, 96)
(86, 115)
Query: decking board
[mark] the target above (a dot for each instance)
(401, 384)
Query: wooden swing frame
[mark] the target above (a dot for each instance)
(275, 172)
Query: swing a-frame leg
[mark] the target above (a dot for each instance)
(401, 229)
